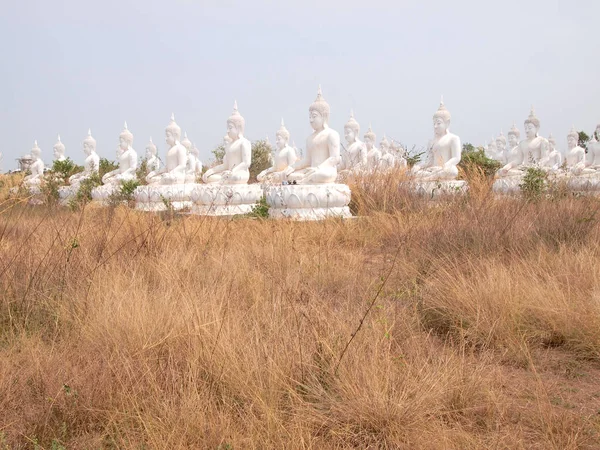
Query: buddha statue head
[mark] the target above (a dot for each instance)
(501, 142)
(552, 142)
(235, 124)
(194, 151)
(59, 149)
(282, 136)
(384, 145)
(36, 151)
(172, 132)
(186, 142)
(89, 144)
(441, 120)
(151, 149)
(351, 129)
(532, 125)
(370, 138)
(492, 148)
(319, 112)
(513, 136)
(572, 138)
(125, 138)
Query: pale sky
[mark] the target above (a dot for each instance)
(70, 65)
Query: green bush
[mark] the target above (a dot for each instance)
(106, 166)
(64, 169)
(534, 184)
(261, 209)
(476, 160)
(125, 192)
(261, 159)
(84, 194)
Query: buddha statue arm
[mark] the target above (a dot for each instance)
(334, 152)
(455, 157)
(217, 169)
(133, 163)
(362, 156)
(291, 160)
(246, 153)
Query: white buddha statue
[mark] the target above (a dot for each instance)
(531, 151)
(491, 150)
(554, 155)
(92, 160)
(592, 158)
(373, 153)
(284, 159)
(128, 160)
(501, 148)
(59, 150)
(398, 152)
(444, 152)
(193, 158)
(319, 165)
(152, 161)
(355, 159)
(575, 156)
(36, 168)
(186, 142)
(387, 161)
(238, 155)
(175, 170)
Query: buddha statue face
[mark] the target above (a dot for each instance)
(500, 145)
(368, 143)
(513, 140)
(58, 151)
(440, 126)
(350, 135)
(123, 144)
(317, 121)
(530, 130)
(170, 138)
(572, 141)
(88, 148)
(281, 141)
(150, 151)
(232, 131)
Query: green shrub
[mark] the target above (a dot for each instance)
(106, 166)
(64, 169)
(534, 184)
(476, 160)
(84, 194)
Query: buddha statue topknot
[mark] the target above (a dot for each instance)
(238, 155)
(444, 151)
(284, 159)
(319, 165)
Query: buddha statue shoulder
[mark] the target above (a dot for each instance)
(285, 158)
(322, 156)
(174, 171)
(444, 151)
(127, 157)
(238, 155)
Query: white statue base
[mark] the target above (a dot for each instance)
(161, 197)
(101, 194)
(225, 199)
(67, 193)
(583, 183)
(308, 201)
(439, 188)
(507, 185)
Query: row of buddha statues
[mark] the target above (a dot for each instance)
(517, 155)
(322, 163)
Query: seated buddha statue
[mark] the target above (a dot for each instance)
(533, 150)
(554, 155)
(127, 157)
(152, 161)
(174, 171)
(575, 156)
(284, 159)
(319, 165)
(92, 160)
(491, 150)
(444, 151)
(355, 159)
(388, 160)
(501, 148)
(59, 150)
(592, 158)
(238, 155)
(373, 153)
(36, 168)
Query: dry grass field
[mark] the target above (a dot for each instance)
(467, 323)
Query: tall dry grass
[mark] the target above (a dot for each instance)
(470, 322)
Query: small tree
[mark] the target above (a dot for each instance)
(219, 153)
(468, 147)
(583, 139)
(106, 166)
(261, 158)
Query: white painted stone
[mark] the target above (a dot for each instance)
(308, 202)
(160, 197)
(283, 163)
(152, 161)
(225, 199)
(35, 178)
(354, 161)
(438, 188)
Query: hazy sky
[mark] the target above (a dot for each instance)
(71, 65)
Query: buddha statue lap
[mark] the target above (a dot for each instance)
(444, 152)
(284, 160)
(238, 155)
